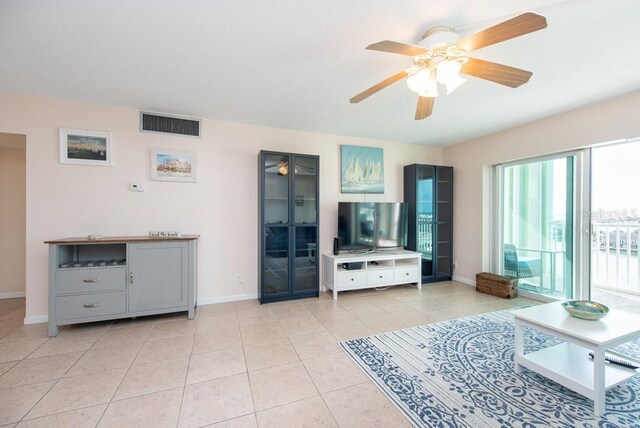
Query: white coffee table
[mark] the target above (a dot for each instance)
(569, 363)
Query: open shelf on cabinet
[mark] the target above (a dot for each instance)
(74, 256)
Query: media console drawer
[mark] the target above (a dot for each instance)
(90, 280)
(379, 276)
(90, 305)
(408, 274)
(351, 279)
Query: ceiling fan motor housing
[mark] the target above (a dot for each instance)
(437, 37)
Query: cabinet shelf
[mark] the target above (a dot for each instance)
(93, 263)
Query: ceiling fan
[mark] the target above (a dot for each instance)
(441, 56)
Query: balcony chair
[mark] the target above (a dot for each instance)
(519, 268)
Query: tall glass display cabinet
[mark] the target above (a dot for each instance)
(288, 224)
(428, 191)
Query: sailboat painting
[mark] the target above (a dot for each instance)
(362, 169)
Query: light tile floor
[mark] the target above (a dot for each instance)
(236, 364)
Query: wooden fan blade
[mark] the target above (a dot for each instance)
(519, 26)
(372, 90)
(498, 73)
(424, 108)
(398, 48)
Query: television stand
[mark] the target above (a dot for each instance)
(378, 268)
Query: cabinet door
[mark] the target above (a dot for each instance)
(158, 275)
(275, 259)
(305, 262)
(425, 217)
(305, 186)
(275, 170)
(444, 225)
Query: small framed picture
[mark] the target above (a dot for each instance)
(167, 165)
(82, 147)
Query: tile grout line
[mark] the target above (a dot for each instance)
(56, 380)
(186, 376)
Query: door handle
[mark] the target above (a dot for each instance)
(131, 278)
(91, 281)
(91, 305)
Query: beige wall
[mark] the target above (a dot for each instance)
(77, 200)
(12, 215)
(607, 121)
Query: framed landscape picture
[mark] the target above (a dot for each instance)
(362, 169)
(82, 147)
(167, 165)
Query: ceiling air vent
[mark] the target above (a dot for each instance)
(153, 122)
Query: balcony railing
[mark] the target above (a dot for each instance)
(614, 256)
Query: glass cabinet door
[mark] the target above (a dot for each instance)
(276, 189)
(444, 191)
(305, 270)
(276, 260)
(444, 217)
(304, 189)
(424, 222)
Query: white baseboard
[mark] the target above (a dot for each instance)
(464, 280)
(224, 299)
(13, 295)
(36, 319)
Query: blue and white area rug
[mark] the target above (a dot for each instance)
(460, 373)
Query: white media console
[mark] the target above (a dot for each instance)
(378, 269)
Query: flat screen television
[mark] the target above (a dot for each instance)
(371, 225)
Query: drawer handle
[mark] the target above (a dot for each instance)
(91, 305)
(131, 278)
(351, 279)
(407, 273)
(91, 281)
(380, 276)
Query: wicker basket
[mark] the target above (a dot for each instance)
(497, 285)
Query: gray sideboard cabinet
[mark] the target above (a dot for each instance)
(120, 277)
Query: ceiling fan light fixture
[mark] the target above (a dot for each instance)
(454, 84)
(431, 90)
(448, 71)
(419, 81)
(283, 168)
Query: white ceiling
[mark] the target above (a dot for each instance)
(295, 63)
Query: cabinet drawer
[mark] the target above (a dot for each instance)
(90, 305)
(407, 274)
(88, 280)
(351, 279)
(379, 276)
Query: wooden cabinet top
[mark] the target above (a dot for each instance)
(118, 239)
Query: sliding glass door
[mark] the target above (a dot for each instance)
(536, 224)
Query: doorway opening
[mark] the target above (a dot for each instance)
(12, 229)
(615, 224)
